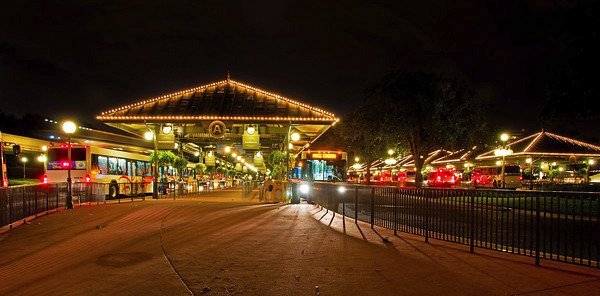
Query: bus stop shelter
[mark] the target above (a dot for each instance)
(224, 115)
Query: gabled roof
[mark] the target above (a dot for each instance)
(460, 155)
(546, 143)
(431, 157)
(223, 100)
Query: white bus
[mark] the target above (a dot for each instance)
(126, 173)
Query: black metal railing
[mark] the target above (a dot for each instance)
(185, 189)
(21, 202)
(558, 226)
(249, 186)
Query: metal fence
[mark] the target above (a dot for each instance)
(184, 189)
(249, 186)
(21, 202)
(558, 226)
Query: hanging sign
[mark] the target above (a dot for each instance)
(251, 139)
(217, 129)
(209, 159)
(258, 159)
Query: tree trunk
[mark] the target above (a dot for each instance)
(418, 167)
(368, 174)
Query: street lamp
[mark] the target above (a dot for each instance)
(503, 151)
(530, 162)
(24, 161)
(69, 127)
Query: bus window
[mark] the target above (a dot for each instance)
(112, 166)
(122, 166)
(102, 165)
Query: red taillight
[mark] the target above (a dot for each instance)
(45, 179)
(520, 178)
(88, 179)
(65, 164)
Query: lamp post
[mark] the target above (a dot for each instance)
(530, 162)
(24, 161)
(69, 127)
(151, 136)
(503, 152)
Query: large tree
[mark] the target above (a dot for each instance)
(423, 112)
(363, 135)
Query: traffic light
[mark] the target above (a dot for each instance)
(16, 149)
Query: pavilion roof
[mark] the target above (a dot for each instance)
(546, 143)
(223, 100)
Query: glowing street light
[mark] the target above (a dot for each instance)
(295, 137)
(69, 127)
(227, 149)
(504, 151)
(391, 152)
(149, 135)
(24, 161)
(356, 159)
(42, 158)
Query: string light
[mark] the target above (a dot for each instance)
(152, 100)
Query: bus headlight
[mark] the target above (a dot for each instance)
(304, 188)
(341, 189)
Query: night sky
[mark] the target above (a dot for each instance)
(79, 59)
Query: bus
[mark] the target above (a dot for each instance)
(491, 176)
(324, 166)
(442, 177)
(126, 173)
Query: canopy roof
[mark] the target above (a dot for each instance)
(223, 100)
(546, 143)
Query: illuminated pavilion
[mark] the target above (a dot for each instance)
(224, 113)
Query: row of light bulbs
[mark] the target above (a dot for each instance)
(214, 84)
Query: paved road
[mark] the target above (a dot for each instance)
(222, 245)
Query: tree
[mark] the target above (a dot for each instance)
(180, 163)
(200, 168)
(363, 135)
(279, 161)
(423, 112)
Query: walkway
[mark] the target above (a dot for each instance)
(221, 245)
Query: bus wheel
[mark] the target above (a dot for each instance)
(113, 189)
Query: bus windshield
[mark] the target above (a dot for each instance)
(58, 158)
(321, 166)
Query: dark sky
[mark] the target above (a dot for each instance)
(82, 58)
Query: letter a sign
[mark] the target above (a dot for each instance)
(217, 129)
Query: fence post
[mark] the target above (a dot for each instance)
(372, 207)
(23, 205)
(426, 195)
(472, 220)
(537, 229)
(395, 212)
(356, 205)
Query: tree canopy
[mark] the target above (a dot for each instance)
(417, 111)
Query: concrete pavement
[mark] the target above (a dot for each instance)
(222, 245)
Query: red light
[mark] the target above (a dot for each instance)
(45, 179)
(88, 179)
(65, 164)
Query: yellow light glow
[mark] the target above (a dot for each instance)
(561, 169)
(591, 162)
(69, 127)
(227, 149)
(499, 162)
(391, 151)
(528, 160)
(149, 135)
(44, 148)
(42, 158)
(295, 137)
(357, 159)
(234, 154)
(504, 137)
(554, 163)
(290, 146)
(24, 159)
